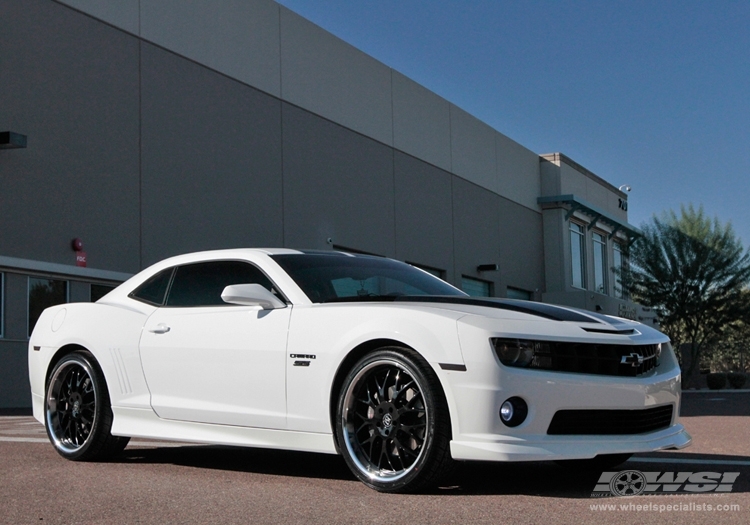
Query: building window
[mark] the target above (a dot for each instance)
(517, 293)
(600, 263)
(2, 303)
(44, 293)
(577, 254)
(476, 287)
(618, 254)
(99, 290)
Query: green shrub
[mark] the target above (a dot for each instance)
(716, 381)
(736, 379)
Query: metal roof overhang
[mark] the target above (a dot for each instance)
(574, 204)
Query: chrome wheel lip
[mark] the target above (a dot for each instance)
(372, 473)
(56, 433)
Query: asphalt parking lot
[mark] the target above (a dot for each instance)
(157, 482)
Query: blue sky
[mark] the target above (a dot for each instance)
(654, 94)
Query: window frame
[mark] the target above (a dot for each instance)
(600, 247)
(583, 254)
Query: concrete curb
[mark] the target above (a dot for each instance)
(722, 391)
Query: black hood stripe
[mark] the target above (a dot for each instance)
(547, 311)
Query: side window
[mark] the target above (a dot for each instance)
(201, 284)
(154, 290)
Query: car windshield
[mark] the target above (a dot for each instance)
(337, 277)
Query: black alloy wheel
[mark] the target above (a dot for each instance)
(393, 426)
(78, 416)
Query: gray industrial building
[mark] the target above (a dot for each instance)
(149, 128)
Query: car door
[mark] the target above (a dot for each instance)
(211, 362)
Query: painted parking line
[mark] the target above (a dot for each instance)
(24, 439)
(131, 444)
(689, 461)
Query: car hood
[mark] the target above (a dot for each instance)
(528, 311)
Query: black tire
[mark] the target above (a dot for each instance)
(78, 416)
(392, 422)
(597, 463)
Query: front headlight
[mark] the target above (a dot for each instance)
(580, 357)
(662, 348)
(523, 353)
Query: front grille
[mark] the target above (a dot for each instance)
(610, 422)
(611, 360)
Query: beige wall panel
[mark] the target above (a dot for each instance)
(556, 248)
(421, 122)
(239, 38)
(473, 149)
(572, 181)
(119, 13)
(522, 246)
(550, 176)
(598, 195)
(517, 172)
(325, 75)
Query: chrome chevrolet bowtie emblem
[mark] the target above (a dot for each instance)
(632, 359)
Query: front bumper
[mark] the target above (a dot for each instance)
(544, 448)
(477, 394)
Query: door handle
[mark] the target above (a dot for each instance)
(160, 328)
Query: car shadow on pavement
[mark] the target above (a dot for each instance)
(570, 480)
(545, 479)
(243, 459)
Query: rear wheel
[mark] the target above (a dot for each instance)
(392, 422)
(78, 416)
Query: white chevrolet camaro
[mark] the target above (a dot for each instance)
(374, 359)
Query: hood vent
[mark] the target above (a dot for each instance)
(614, 331)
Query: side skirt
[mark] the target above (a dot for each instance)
(144, 423)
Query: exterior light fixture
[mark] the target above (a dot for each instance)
(488, 268)
(513, 411)
(12, 140)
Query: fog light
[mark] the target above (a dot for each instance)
(513, 411)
